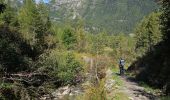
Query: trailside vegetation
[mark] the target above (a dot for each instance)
(38, 55)
(152, 65)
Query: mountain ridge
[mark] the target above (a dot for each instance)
(114, 16)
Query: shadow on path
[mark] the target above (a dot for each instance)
(134, 90)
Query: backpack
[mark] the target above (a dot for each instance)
(122, 62)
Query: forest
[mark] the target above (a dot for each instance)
(117, 15)
(41, 59)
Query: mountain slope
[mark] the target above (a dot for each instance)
(113, 16)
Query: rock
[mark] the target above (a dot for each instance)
(45, 97)
(87, 84)
(131, 98)
(76, 91)
(109, 84)
(66, 91)
(117, 87)
(109, 73)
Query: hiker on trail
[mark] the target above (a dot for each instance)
(121, 66)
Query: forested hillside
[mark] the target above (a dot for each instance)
(152, 66)
(65, 50)
(122, 15)
(113, 16)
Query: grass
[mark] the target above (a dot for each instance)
(119, 82)
(120, 96)
(6, 86)
(117, 79)
(165, 98)
(96, 92)
(116, 94)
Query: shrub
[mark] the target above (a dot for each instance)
(69, 68)
(7, 92)
(97, 92)
(61, 65)
(69, 39)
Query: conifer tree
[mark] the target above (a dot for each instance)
(69, 39)
(165, 18)
(9, 15)
(2, 6)
(148, 33)
(35, 26)
(28, 16)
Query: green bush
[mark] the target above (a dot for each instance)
(60, 65)
(96, 92)
(7, 92)
(69, 68)
(69, 38)
(48, 63)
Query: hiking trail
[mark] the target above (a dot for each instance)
(131, 89)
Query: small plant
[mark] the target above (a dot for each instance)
(165, 98)
(119, 82)
(7, 92)
(5, 86)
(69, 39)
(96, 92)
(120, 96)
(149, 89)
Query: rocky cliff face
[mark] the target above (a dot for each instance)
(66, 8)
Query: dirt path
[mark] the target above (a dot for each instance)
(130, 88)
(134, 91)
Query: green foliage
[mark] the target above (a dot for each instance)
(29, 17)
(9, 16)
(165, 97)
(69, 38)
(61, 65)
(28, 43)
(7, 92)
(11, 57)
(97, 92)
(48, 63)
(81, 36)
(114, 16)
(149, 89)
(121, 46)
(153, 66)
(6, 86)
(2, 6)
(148, 33)
(97, 43)
(35, 27)
(120, 96)
(117, 78)
(34, 22)
(24, 36)
(165, 19)
(68, 69)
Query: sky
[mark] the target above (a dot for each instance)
(45, 1)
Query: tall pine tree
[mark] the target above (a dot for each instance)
(34, 25)
(148, 33)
